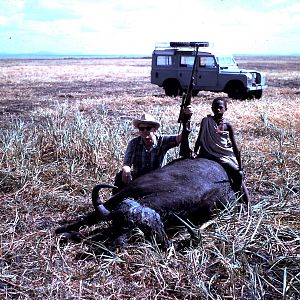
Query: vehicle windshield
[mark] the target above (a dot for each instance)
(226, 61)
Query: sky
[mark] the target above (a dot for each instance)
(133, 27)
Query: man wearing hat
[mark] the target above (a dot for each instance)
(146, 152)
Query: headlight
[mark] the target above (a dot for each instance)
(249, 79)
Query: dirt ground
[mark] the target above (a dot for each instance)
(26, 85)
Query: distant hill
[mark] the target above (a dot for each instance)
(51, 55)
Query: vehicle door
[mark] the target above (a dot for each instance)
(186, 63)
(208, 71)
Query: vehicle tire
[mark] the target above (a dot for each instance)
(258, 94)
(250, 95)
(172, 88)
(237, 91)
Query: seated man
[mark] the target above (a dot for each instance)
(146, 152)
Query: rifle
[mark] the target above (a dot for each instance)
(185, 150)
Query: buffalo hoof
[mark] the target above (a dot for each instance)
(61, 229)
(71, 236)
(66, 228)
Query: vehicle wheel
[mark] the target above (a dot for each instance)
(258, 94)
(237, 91)
(250, 96)
(172, 88)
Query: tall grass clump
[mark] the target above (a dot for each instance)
(276, 159)
(61, 147)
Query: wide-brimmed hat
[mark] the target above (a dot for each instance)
(147, 120)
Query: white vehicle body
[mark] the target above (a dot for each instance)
(171, 69)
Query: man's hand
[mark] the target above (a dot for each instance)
(185, 114)
(194, 155)
(126, 174)
(188, 111)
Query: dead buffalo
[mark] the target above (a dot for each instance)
(184, 190)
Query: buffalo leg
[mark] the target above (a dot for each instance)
(88, 220)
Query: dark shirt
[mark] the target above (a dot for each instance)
(142, 160)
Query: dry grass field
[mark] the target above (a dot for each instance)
(64, 127)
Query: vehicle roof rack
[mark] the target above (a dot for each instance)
(189, 44)
(180, 45)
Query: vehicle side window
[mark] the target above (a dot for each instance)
(207, 62)
(187, 61)
(164, 60)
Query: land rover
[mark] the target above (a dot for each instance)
(172, 65)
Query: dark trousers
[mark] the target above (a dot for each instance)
(235, 176)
